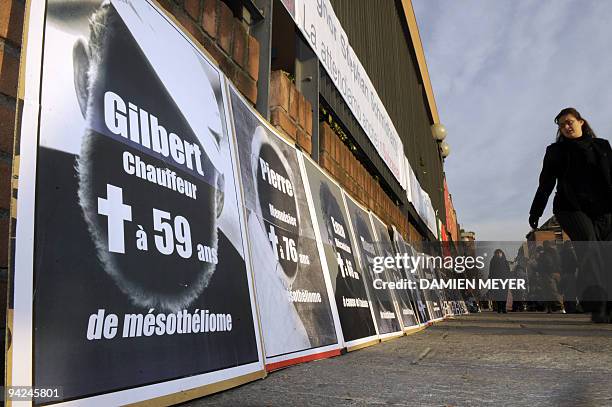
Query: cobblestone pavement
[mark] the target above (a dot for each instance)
(483, 359)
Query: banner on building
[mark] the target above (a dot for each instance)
(420, 199)
(318, 23)
(346, 275)
(292, 293)
(131, 281)
(381, 297)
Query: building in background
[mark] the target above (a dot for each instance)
(549, 230)
(467, 236)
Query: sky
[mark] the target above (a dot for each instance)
(501, 70)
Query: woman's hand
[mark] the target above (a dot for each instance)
(533, 221)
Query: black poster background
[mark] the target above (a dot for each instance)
(288, 326)
(381, 299)
(435, 295)
(356, 321)
(405, 301)
(427, 294)
(419, 304)
(75, 275)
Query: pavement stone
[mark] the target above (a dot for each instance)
(485, 359)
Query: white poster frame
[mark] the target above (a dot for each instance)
(321, 352)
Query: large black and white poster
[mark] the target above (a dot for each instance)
(382, 299)
(139, 273)
(418, 296)
(346, 274)
(292, 294)
(405, 301)
(435, 295)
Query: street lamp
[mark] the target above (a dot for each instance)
(439, 134)
(444, 149)
(438, 131)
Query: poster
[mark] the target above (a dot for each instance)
(346, 274)
(402, 295)
(292, 294)
(432, 295)
(418, 297)
(382, 299)
(139, 284)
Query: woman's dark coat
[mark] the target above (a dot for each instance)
(561, 165)
(499, 268)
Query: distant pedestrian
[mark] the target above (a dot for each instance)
(549, 267)
(569, 265)
(519, 296)
(499, 268)
(581, 166)
(533, 289)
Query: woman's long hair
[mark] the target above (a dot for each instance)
(586, 128)
(497, 251)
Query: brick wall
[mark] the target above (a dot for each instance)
(340, 162)
(290, 112)
(226, 38)
(11, 27)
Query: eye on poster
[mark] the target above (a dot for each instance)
(293, 295)
(131, 256)
(403, 298)
(346, 275)
(382, 299)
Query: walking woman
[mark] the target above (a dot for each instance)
(581, 166)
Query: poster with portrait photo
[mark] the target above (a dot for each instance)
(292, 294)
(382, 299)
(430, 295)
(417, 295)
(346, 274)
(404, 300)
(140, 287)
(436, 294)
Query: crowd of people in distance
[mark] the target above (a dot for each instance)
(550, 280)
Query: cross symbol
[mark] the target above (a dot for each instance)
(273, 240)
(113, 208)
(340, 263)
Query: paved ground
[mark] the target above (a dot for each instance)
(482, 359)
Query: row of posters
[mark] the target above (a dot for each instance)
(167, 238)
